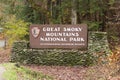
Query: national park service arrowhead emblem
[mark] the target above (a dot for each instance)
(35, 32)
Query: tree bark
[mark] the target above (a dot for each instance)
(74, 13)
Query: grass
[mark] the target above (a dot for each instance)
(22, 73)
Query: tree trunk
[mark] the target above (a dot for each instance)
(74, 13)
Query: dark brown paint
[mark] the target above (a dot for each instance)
(36, 43)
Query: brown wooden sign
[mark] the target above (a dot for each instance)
(58, 36)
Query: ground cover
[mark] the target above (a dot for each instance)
(15, 72)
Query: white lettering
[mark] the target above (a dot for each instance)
(51, 28)
(76, 39)
(72, 29)
(52, 39)
(62, 34)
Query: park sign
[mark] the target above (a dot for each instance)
(58, 36)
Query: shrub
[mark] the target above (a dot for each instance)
(15, 30)
(97, 43)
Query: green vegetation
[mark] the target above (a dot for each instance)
(95, 13)
(97, 44)
(21, 73)
(100, 15)
(15, 30)
(56, 11)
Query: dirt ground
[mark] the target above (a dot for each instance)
(78, 72)
(62, 72)
(4, 55)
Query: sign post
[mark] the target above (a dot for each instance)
(59, 36)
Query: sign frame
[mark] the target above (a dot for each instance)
(34, 43)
